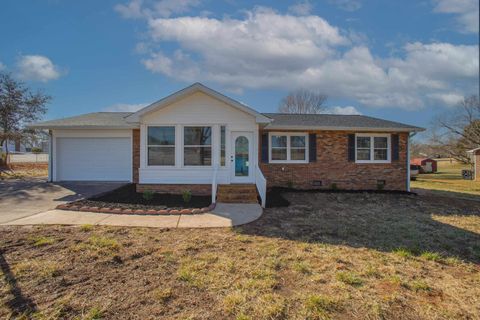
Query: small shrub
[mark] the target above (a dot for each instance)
(349, 278)
(380, 186)
(290, 184)
(148, 195)
(187, 196)
(334, 186)
(36, 150)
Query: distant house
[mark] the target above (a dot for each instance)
(427, 165)
(197, 138)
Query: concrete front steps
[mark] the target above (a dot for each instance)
(237, 193)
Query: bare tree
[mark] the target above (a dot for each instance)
(457, 131)
(303, 101)
(18, 105)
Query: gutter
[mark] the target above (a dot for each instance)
(332, 128)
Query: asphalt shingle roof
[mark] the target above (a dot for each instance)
(95, 119)
(280, 121)
(333, 121)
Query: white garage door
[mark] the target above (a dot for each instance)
(93, 159)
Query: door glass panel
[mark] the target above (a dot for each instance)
(241, 157)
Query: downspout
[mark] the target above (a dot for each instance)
(410, 135)
(50, 156)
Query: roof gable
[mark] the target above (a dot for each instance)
(196, 87)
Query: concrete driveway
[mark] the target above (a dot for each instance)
(23, 198)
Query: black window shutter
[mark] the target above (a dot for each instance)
(265, 147)
(312, 147)
(351, 147)
(395, 148)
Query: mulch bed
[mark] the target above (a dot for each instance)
(125, 200)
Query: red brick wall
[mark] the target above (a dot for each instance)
(195, 189)
(332, 167)
(135, 153)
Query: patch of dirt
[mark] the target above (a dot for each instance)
(127, 197)
(327, 255)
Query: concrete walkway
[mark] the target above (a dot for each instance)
(224, 215)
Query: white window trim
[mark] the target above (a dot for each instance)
(372, 147)
(153, 145)
(182, 129)
(288, 135)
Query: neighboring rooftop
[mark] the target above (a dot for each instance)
(116, 120)
(335, 122)
(111, 120)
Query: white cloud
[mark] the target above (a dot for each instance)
(347, 5)
(131, 10)
(267, 49)
(347, 110)
(37, 68)
(125, 107)
(301, 8)
(466, 11)
(136, 9)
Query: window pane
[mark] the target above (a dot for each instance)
(363, 154)
(279, 153)
(197, 156)
(279, 141)
(381, 142)
(297, 154)
(197, 136)
(162, 136)
(222, 146)
(380, 154)
(161, 156)
(297, 141)
(363, 142)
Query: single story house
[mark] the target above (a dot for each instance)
(427, 165)
(198, 138)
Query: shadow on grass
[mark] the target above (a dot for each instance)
(383, 222)
(19, 304)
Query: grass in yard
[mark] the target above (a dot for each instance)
(324, 257)
(448, 179)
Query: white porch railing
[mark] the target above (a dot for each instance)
(261, 183)
(214, 185)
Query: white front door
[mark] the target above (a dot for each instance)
(241, 164)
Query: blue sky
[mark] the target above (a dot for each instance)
(399, 60)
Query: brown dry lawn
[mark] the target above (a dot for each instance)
(328, 255)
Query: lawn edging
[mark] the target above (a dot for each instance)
(151, 212)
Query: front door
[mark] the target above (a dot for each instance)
(241, 157)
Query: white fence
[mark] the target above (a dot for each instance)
(28, 158)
